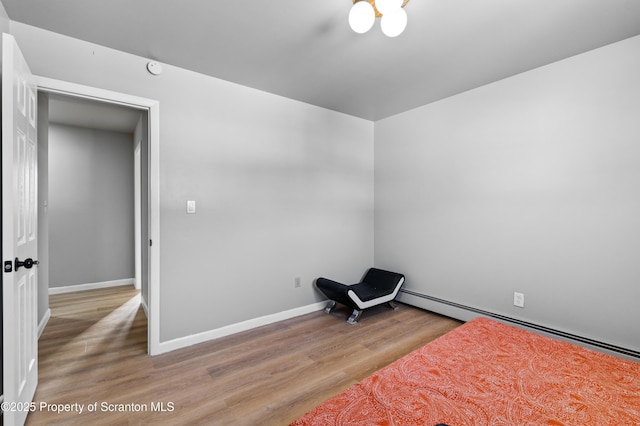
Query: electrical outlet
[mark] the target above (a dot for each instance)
(296, 282)
(518, 299)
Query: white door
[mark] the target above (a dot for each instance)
(19, 233)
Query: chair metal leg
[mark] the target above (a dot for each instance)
(330, 306)
(353, 319)
(392, 305)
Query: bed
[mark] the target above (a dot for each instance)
(488, 373)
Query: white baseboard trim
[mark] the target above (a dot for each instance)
(183, 342)
(43, 322)
(91, 286)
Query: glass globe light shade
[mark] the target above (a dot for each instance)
(394, 24)
(361, 17)
(387, 7)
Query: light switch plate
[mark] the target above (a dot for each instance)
(191, 206)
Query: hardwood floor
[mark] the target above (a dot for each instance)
(93, 354)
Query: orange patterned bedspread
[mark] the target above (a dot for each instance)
(488, 373)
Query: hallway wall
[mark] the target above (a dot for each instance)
(90, 206)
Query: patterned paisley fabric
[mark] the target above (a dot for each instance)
(488, 373)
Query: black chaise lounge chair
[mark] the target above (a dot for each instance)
(377, 287)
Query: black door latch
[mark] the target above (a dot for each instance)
(8, 266)
(27, 263)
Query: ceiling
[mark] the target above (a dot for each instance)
(74, 111)
(305, 50)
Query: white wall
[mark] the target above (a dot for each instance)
(91, 214)
(530, 184)
(283, 189)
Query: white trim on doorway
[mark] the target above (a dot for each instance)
(153, 108)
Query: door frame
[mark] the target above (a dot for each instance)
(152, 107)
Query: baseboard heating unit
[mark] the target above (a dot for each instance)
(551, 331)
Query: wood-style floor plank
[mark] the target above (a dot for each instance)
(94, 351)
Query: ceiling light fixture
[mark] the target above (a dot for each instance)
(363, 15)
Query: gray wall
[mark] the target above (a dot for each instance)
(90, 206)
(141, 138)
(530, 184)
(43, 201)
(5, 24)
(283, 189)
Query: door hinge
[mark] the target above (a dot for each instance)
(8, 266)
(150, 243)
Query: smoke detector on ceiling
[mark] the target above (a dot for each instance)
(154, 68)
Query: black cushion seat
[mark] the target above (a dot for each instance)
(377, 287)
